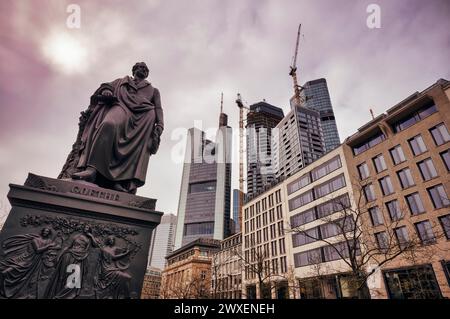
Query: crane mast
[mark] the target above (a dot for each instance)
(241, 106)
(293, 72)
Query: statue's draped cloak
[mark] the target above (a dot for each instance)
(117, 137)
(22, 262)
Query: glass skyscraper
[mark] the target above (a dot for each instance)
(205, 194)
(163, 241)
(317, 97)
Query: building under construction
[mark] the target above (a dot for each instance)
(261, 119)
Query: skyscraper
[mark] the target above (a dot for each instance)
(299, 141)
(261, 119)
(163, 241)
(205, 194)
(317, 97)
(236, 211)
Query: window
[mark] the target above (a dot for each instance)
(303, 218)
(445, 223)
(301, 200)
(382, 240)
(405, 177)
(330, 253)
(271, 215)
(415, 204)
(438, 196)
(280, 229)
(397, 155)
(282, 246)
(402, 236)
(333, 205)
(273, 234)
(371, 142)
(386, 185)
(446, 158)
(440, 134)
(329, 230)
(380, 164)
(283, 264)
(369, 192)
(299, 183)
(198, 229)
(329, 187)
(394, 210)
(202, 187)
(417, 145)
(274, 248)
(376, 216)
(363, 170)
(326, 168)
(308, 257)
(427, 169)
(417, 282)
(415, 117)
(305, 237)
(425, 231)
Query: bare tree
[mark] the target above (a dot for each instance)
(192, 287)
(348, 232)
(256, 263)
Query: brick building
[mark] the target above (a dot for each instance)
(152, 284)
(188, 271)
(402, 161)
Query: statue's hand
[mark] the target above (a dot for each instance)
(158, 129)
(107, 92)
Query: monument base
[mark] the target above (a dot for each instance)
(67, 239)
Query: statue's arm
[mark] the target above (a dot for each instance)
(158, 109)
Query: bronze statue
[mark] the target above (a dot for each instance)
(113, 279)
(118, 133)
(24, 258)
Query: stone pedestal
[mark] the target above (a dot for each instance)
(67, 239)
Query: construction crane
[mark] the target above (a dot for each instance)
(297, 99)
(242, 107)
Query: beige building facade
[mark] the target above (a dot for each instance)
(266, 259)
(226, 269)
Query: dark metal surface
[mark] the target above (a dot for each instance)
(53, 235)
(117, 134)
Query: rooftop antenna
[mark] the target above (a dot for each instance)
(371, 113)
(223, 118)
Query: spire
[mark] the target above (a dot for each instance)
(223, 118)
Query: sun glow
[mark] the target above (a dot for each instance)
(65, 52)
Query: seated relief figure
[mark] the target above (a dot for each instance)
(118, 133)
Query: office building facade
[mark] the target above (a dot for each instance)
(265, 253)
(226, 269)
(317, 97)
(298, 142)
(205, 193)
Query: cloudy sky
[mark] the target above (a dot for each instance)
(195, 50)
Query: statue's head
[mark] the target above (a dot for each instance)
(86, 229)
(110, 241)
(45, 232)
(140, 70)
